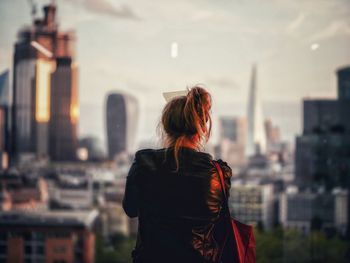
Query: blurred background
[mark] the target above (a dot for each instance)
(81, 85)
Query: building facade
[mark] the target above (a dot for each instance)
(305, 211)
(63, 111)
(47, 237)
(121, 123)
(252, 203)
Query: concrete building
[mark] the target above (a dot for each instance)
(121, 122)
(47, 237)
(252, 203)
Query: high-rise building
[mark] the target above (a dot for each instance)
(5, 106)
(322, 157)
(121, 122)
(322, 151)
(36, 51)
(5, 88)
(256, 139)
(344, 83)
(64, 111)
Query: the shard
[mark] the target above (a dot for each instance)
(256, 138)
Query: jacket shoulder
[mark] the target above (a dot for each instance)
(226, 169)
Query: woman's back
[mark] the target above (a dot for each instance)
(176, 207)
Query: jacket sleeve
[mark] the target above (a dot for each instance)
(227, 172)
(131, 194)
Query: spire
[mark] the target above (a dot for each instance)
(256, 139)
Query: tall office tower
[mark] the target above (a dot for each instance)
(122, 117)
(5, 106)
(64, 111)
(344, 83)
(322, 151)
(36, 50)
(5, 88)
(256, 139)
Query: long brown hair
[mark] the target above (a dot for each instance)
(186, 117)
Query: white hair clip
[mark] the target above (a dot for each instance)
(168, 96)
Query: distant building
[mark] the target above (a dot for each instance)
(232, 140)
(93, 148)
(344, 83)
(256, 137)
(36, 51)
(121, 122)
(5, 106)
(233, 129)
(47, 237)
(114, 219)
(72, 190)
(63, 123)
(22, 193)
(273, 134)
(322, 151)
(322, 155)
(252, 203)
(321, 211)
(5, 88)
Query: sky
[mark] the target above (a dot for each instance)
(125, 46)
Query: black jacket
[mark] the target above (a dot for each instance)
(176, 210)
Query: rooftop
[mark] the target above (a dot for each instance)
(49, 218)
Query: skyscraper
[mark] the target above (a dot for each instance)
(5, 88)
(36, 51)
(121, 118)
(344, 83)
(256, 139)
(64, 111)
(322, 157)
(5, 106)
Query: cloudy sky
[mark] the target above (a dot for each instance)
(125, 46)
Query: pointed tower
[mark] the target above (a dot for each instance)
(256, 139)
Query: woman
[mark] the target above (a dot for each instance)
(175, 192)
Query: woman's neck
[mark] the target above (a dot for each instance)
(192, 143)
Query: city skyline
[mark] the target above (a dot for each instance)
(130, 48)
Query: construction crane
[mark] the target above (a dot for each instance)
(33, 7)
